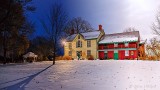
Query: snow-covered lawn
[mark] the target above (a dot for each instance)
(82, 75)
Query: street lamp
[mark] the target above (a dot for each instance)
(63, 42)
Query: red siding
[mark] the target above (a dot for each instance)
(100, 46)
(132, 45)
(121, 45)
(101, 54)
(121, 54)
(132, 54)
(110, 46)
(110, 54)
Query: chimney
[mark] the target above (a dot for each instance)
(72, 32)
(100, 27)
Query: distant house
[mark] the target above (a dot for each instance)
(116, 46)
(84, 43)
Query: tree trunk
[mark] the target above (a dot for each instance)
(54, 54)
(4, 48)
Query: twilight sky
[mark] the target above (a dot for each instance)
(114, 15)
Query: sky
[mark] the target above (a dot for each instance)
(114, 15)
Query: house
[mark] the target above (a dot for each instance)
(117, 46)
(120, 46)
(84, 43)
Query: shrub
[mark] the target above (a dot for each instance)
(64, 58)
(90, 57)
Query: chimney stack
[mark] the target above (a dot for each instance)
(100, 27)
(72, 32)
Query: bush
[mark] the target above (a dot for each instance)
(151, 58)
(90, 57)
(64, 58)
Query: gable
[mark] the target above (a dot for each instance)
(71, 38)
(85, 36)
(77, 36)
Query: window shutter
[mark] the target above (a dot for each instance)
(81, 43)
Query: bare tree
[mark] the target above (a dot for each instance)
(130, 29)
(156, 26)
(57, 22)
(78, 25)
(153, 48)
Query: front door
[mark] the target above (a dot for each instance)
(79, 54)
(115, 54)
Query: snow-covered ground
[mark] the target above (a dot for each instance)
(82, 75)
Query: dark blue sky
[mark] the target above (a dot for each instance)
(114, 15)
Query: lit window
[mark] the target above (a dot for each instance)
(88, 52)
(88, 43)
(126, 44)
(115, 44)
(70, 45)
(79, 43)
(132, 53)
(70, 53)
(126, 53)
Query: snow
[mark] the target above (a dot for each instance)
(86, 35)
(30, 54)
(70, 38)
(91, 35)
(82, 75)
(112, 39)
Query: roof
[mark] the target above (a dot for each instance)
(86, 35)
(143, 41)
(71, 37)
(120, 37)
(91, 35)
(30, 54)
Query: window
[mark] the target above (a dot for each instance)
(78, 36)
(105, 55)
(126, 44)
(116, 45)
(126, 53)
(79, 43)
(88, 52)
(70, 53)
(132, 53)
(105, 46)
(70, 45)
(88, 43)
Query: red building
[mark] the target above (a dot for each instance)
(119, 46)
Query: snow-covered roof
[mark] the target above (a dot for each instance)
(30, 54)
(71, 37)
(91, 35)
(143, 41)
(86, 35)
(120, 37)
